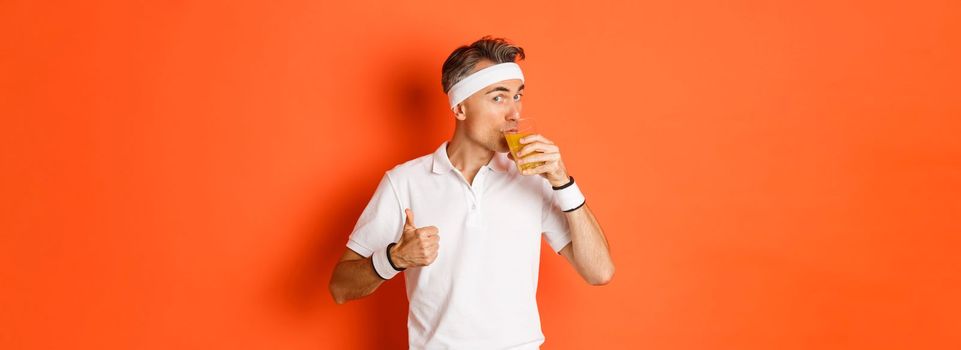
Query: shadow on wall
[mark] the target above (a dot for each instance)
(417, 111)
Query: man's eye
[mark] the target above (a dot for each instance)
(498, 98)
(517, 97)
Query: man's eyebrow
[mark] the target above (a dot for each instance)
(504, 89)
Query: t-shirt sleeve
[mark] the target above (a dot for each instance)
(553, 222)
(381, 222)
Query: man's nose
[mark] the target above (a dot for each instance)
(514, 113)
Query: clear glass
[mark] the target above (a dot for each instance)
(514, 133)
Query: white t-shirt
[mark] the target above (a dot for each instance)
(480, 291)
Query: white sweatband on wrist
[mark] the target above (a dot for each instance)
(481, 79)
(381, 265)
(569, 198)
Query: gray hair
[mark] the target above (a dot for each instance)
(464, 58)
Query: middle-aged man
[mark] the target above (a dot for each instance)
(475, 289)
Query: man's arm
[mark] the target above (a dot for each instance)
(588, 251)
(353, 278)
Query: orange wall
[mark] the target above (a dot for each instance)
(771, 175)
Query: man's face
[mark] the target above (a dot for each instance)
(491, 110)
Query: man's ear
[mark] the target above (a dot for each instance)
(460, 113)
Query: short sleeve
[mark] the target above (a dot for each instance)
(381, 222)
(553, 223)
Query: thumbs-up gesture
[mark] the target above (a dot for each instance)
(417, 246)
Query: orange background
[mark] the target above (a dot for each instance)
(771, 175)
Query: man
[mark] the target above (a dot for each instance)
(475, 289)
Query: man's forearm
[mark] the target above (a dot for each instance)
(591, 253)
(353, 279)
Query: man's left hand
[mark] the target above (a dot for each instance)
(541, 149)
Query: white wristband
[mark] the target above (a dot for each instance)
(381, 265)
(569, 198)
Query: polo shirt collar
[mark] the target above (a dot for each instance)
(441, 163)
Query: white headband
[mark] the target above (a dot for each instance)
(481, 79)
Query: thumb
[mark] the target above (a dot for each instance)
(409, 223)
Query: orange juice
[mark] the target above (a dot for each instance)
(514, 143)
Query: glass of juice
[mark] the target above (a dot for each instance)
(513, 134)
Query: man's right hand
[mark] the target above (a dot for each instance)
(417, 246)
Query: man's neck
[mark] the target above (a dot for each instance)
(467, 156)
